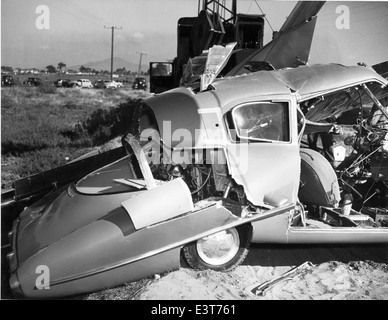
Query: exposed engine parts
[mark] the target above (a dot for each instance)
(203, 180)
(357, 149)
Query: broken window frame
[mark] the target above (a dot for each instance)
(285, 123)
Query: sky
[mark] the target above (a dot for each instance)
(75, 32)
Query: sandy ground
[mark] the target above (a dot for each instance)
(356, 273)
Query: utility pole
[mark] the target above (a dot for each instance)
(141, 55)
(111, 52)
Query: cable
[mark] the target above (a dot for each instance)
(78, 13)
(85, 12)
(77, 17)
(265, 17)
(250, 5)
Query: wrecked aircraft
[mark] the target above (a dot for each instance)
(209, 170)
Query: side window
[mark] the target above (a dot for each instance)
(161, 69)
(262, 121)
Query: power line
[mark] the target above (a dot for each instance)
(77, 17)
(111, 56)
(141, 55)
(76, 12)
(250, 5)
(86, 13)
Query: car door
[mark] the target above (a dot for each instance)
(263, 152)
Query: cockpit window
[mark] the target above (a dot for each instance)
(262, 121)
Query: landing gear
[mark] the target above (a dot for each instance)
(222, 251)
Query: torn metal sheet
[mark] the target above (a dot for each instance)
(217, 58)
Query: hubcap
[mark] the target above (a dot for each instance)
(219, 248)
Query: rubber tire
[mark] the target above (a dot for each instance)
(192, 258)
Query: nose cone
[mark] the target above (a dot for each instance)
(62, 215)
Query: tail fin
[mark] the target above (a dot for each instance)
(290, 47)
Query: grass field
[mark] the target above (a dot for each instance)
(44, 127)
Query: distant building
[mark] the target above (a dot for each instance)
(26, 71)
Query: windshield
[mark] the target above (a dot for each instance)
(132, 172)
(121, 176)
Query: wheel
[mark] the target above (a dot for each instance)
(222, 251)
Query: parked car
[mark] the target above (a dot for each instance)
(65, 83)
(58, 83)
(99, 84)
(32, 82)
(112, 85)
(7, 81)
(210, 169)
(84, 83)
(73, 84)
(139, 84)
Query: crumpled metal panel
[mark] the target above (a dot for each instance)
(319, 79)
(269, 172)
